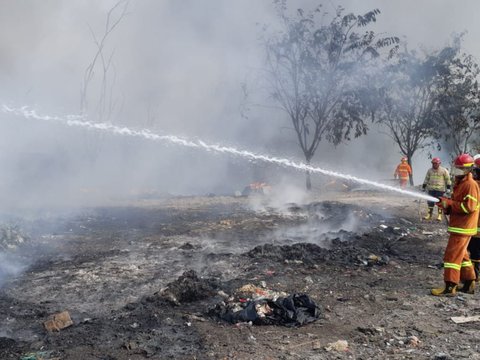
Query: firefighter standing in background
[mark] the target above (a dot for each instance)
(403, 172)
(463, 209)
(436, 182)
(474, 244)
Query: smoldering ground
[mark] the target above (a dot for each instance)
(178, 69)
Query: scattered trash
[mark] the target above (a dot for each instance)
(226, 223)
(256, 293)
(131, 345)
(298, 262)
(373, 259)
(308, 280)
(405, 221)
(465, 319)
(39, 355)
(58, 322)
(427, 232)
(413, 341)
(293, 310)
(256, 188)
(340, 346)
(223, 294)
(442, 356)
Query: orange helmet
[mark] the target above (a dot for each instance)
(404, 159)
(464, 161)
(436, 160)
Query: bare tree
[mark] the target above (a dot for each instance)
(316, 74)
(97, 99)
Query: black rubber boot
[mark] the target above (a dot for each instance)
(468, 287)
(476, 267)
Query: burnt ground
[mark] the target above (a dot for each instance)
(367, 259)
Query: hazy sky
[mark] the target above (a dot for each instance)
(177, 67)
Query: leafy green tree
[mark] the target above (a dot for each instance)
(319, 69)
(411, 99)
(460, 106)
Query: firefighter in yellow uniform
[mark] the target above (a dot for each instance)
(437, 182)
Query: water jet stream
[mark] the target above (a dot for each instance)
(80, 121)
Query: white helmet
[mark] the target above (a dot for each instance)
(476, 161)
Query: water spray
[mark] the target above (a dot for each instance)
(81, 121)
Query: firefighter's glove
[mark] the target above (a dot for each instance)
(424, 187)
(444, 203)
(449, 190)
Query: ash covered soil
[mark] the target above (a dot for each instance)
(140, 281)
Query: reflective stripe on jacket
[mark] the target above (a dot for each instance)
(465, 207)
(437, 179)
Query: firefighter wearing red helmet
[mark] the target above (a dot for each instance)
(463, 209)
(403, 172)
(437, 182)
(474, 244)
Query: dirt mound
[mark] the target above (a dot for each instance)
(188, 288)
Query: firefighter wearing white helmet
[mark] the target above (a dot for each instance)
(474, 244)
(437, 182)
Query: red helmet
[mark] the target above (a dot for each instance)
(463, 161)
(436, 160)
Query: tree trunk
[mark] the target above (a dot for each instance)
(410, 163)
(308, 182)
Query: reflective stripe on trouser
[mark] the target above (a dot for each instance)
(456, 261)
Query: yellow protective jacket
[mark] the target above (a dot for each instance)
(464, 207)
(437, 179)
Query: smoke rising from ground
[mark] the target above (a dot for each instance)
(10, 266)
(177, 68)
